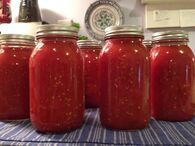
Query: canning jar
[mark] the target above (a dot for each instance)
(56, 80)
(15, 52)
(124, 79)
(148, 44)
(172, 76)
(90, 50)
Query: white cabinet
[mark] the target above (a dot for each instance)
(169, 13)
(167, 1)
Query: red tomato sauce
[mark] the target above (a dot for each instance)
(91, 59)
(56, 85)
(124, 83)
(14, 81)
(172, 80)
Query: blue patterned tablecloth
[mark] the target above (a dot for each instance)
(92, 133)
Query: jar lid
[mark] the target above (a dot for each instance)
(124, 30)
(57, 29)
(16, 38)
(90, 43)
(177, 34)
(147, 42)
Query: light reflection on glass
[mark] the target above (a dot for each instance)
(139, 76)
(1, 51)
(54, 49)
(187, 69)
(135, 50)
(181, 51)
(154, 54)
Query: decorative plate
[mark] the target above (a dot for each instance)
(102, 14)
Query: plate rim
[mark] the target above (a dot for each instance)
(92, 7)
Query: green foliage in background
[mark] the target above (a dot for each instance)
(77, 25)
(82, 37)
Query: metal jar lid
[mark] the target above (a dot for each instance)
(147, 42)
(57, 29)
(123, 30)
(167, 35)
(91, 43)
(16, 39)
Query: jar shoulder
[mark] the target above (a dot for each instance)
(129, 50)
(16, 54)
(179, 52)
(48, 51)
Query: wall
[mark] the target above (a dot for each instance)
(75, 9)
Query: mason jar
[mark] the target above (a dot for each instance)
(91, 50)
(148, 44)
(172, 76)
(124, 79)
(56, 80)
(15, 50)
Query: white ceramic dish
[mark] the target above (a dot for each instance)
(102, 14)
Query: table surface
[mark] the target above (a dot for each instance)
(92, 133)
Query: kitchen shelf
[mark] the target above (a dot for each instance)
(157, 133)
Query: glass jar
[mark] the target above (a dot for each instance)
(15, 52)
(90, 50)
(5, 11)
(124, 79)
(56, 80)
(172, 76)
(147, 44)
